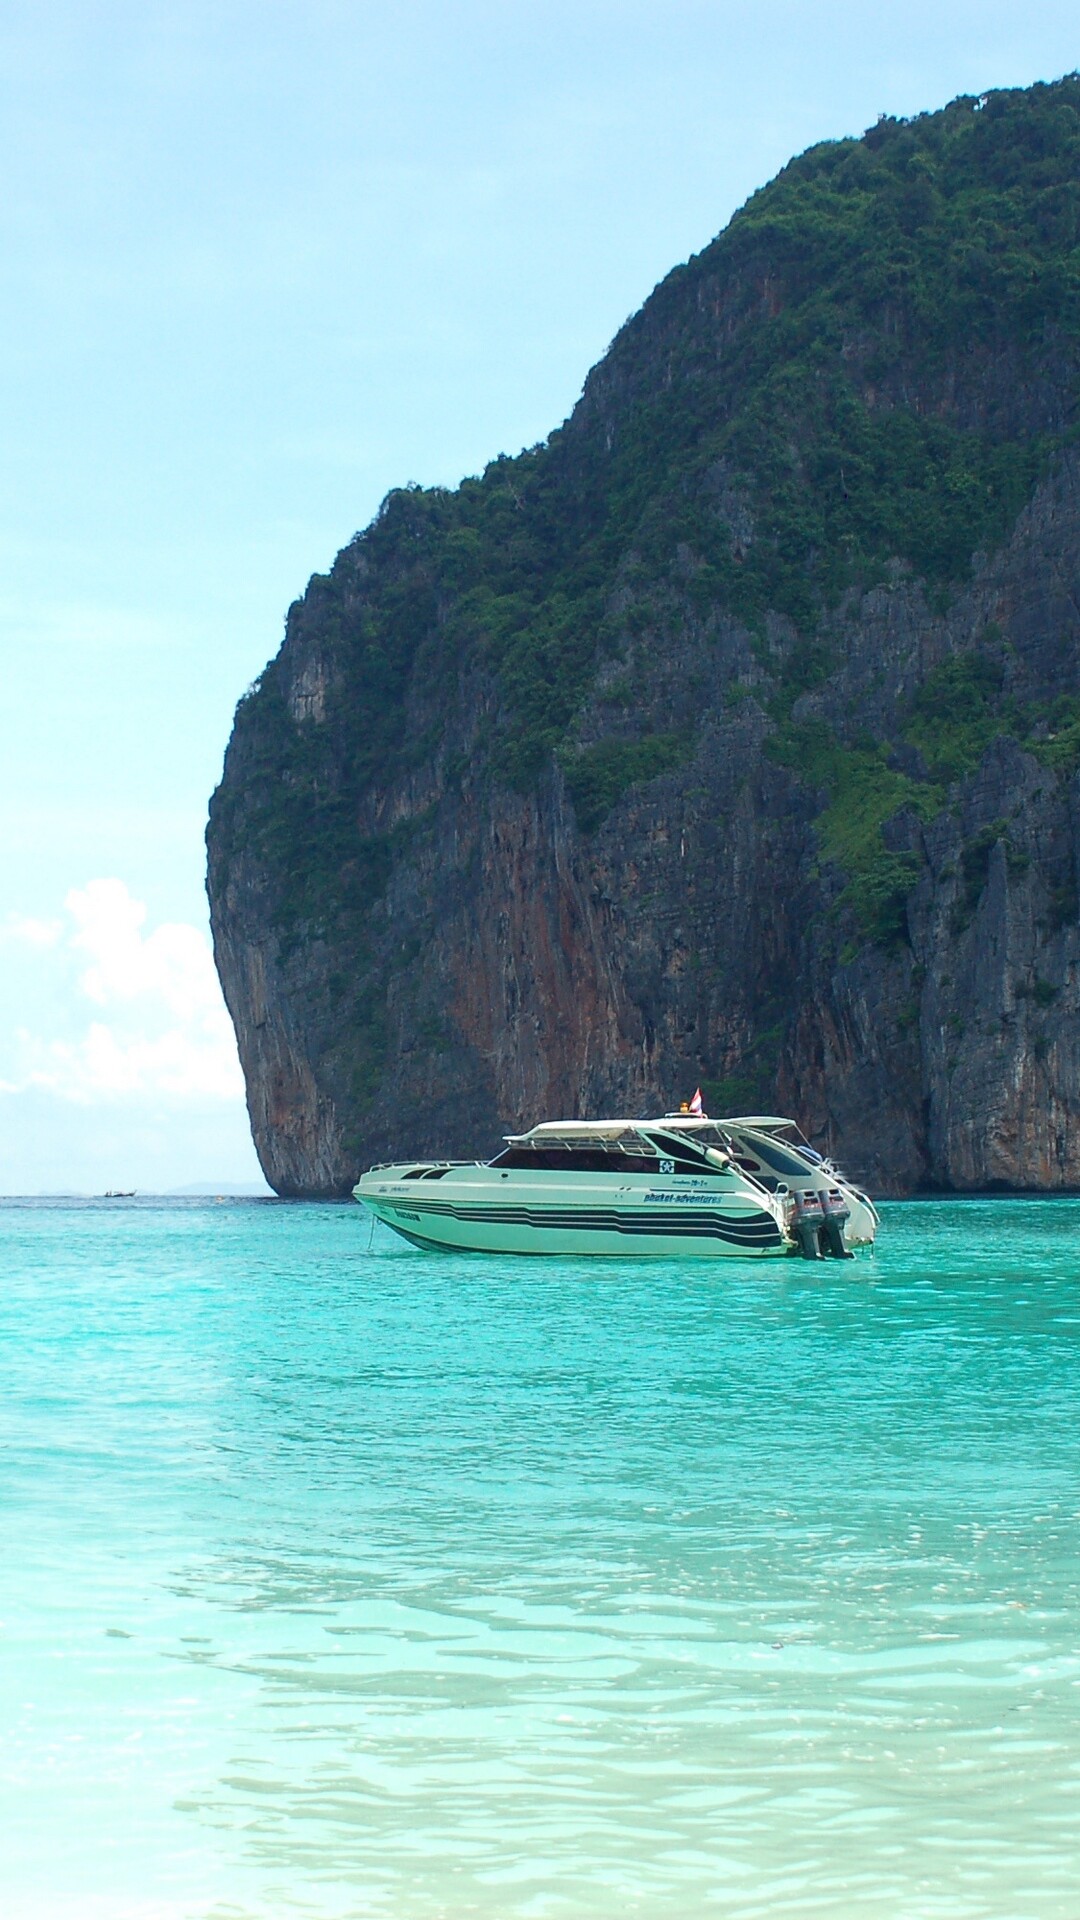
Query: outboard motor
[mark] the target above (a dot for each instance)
(808, 1220)
(837, 1213)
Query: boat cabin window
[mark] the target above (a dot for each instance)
(689, 1152)
(584, 1159)
(629, 1152)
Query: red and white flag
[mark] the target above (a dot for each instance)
(695, 1104)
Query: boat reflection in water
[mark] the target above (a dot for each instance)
(682, 1185)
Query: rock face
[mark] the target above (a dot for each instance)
(730, 737)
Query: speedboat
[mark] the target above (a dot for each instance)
(680, 1185)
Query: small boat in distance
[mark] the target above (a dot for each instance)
(680, 1185)
(116, 1193)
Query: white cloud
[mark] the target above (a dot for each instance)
(173, 964)
(161, 1027)
(21, 929)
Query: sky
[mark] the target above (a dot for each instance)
(260, 262)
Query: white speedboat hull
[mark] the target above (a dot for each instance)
(474, 1209)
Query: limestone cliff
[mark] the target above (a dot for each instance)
(732, 736)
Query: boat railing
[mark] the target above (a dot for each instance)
(384, 1166)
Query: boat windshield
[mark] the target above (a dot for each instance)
(781, 1159)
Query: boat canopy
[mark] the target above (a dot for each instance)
(613, 1130)
(774, 1128)
(639, 1136)
(625, 1136)
(609, 1136)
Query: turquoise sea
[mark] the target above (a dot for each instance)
(339, 1579)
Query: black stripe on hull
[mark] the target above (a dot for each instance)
(425, 1245)
(760, 1235)
(759, 1229)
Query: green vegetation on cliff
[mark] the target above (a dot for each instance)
(805, 402)
(863, 794)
